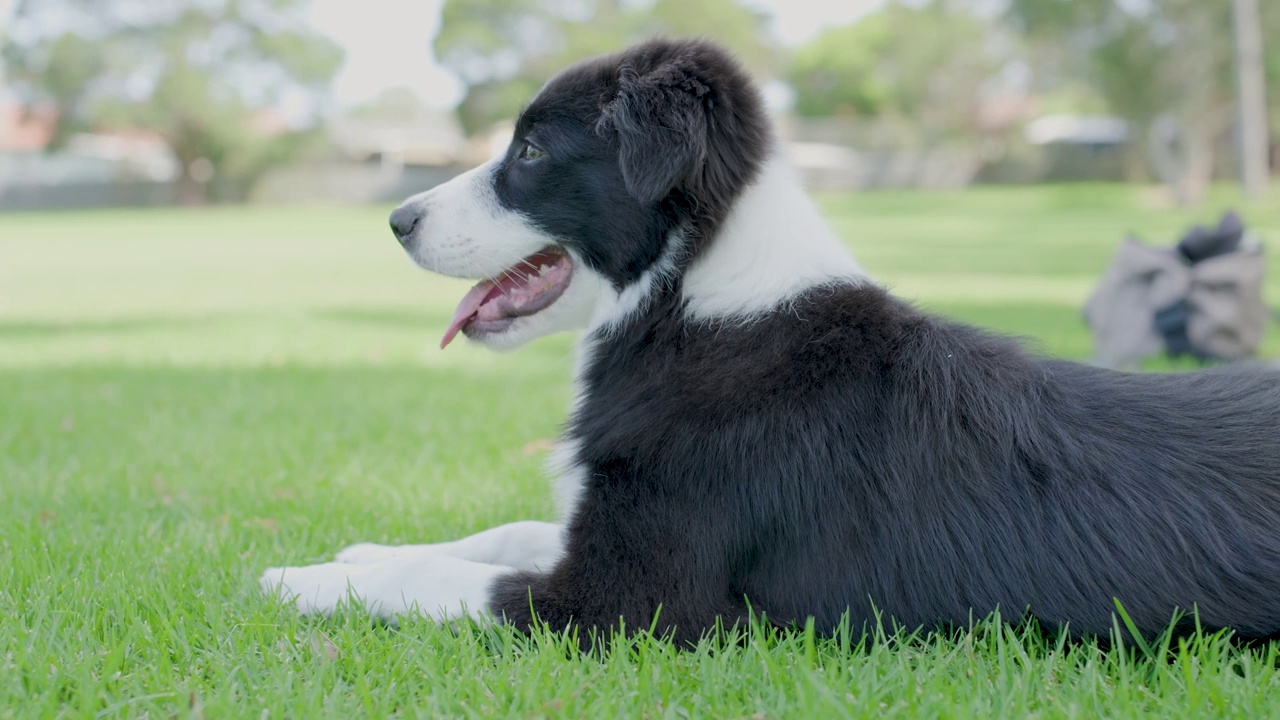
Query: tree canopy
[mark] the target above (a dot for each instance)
(504, 50)
(921, 65)
(1168, 66)
(199, 73)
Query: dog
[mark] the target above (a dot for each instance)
(761, 428)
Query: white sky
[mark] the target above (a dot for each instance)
(388, 41)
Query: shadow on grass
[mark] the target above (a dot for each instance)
(210, 426)
(1051, 329)
(1059, 330)
(368, 317)
(22, 329)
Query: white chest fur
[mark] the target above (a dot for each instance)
(773, 246)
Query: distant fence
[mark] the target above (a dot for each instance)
(87, 194)
(834, 154)
(830, 155)
(333, 182)
(837, 154)
(825, 166)
(351, 182)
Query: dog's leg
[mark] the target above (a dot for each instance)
(637, 560)
(434, 585)
(524, 545)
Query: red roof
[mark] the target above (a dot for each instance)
(26, 129)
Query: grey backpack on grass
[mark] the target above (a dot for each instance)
(1202, 297)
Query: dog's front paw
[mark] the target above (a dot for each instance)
(314, 589)
(430, 584)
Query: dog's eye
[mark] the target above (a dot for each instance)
(532, 152)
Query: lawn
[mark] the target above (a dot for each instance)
(188, 397)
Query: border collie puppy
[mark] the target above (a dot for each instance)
(758, 424)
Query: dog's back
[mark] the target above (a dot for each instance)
(937, 471)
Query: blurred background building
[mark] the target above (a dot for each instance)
(133, 102)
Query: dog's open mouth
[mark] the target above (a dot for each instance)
(528, 287)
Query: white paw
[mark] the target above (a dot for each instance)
(429, 584)
(317, 589)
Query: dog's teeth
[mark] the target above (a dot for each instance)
(543, 270)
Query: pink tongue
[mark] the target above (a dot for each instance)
(467, 309)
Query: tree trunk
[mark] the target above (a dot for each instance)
(1252, 99)
(1182, 155)
(186, 147)
(1183, 139)
(191, 192)
(1134, 161)
(1197, 169)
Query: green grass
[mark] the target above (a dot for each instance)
(188, 397)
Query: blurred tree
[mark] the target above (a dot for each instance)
(1271, 71)
(203, 74)
(1168, 66)
(397, 104)
(1251, 97)
(838, 73)
(922, 66)
(504, 50)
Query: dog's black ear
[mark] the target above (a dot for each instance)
(660, 119)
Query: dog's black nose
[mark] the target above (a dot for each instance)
(403, 220)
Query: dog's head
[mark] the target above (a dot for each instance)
(620, 166)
